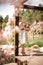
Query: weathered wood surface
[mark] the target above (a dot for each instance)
(32, 60)
(11, 64)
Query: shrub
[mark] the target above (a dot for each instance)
(9, 59)
(29, 44)
(39, 43)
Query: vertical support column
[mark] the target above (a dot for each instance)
(16, 36)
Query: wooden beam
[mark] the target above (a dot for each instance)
(33, 7)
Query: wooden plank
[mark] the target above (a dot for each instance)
(33, 7)
(24, 58)
(32, 60)
(11, 64)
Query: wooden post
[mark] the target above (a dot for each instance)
(16, 36)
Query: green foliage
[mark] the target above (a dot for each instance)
(4, 43)
(42, 32)
(31, 15)
(3, 25)
(1, 20)
(9, 59)
(29, 44)
(5, 20)
(12, 40)
(38, 40)
(39, 43)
